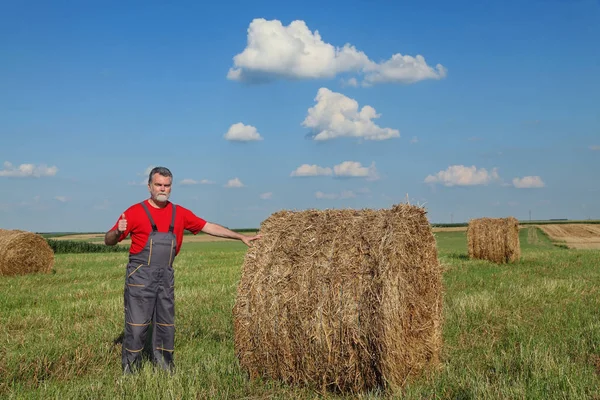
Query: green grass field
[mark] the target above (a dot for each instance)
(529, 330)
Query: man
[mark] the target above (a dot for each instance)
(156, 227)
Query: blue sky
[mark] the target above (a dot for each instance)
(470, 109)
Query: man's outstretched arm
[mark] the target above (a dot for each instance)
(221, 231)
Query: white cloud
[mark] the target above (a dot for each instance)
(234, 183)
(402, 69)
(295, 52)
(242, 133)
(459, 175)
(346, 169)
(311, 170)
(595, 147)
(266, 196)
(27, 170)
(62, 199)
(206, 182)
(336, 115)
(355, 169)
(528, 182)
(188, 181)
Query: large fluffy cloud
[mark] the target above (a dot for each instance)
(242, 133)
(336, 115)
(459, 175)
(27, 170)
(528, 182)
(274, 50)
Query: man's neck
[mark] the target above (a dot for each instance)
(158, 204)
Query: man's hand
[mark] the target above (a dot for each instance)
(112, 237)
(248, 239)
(122, 226)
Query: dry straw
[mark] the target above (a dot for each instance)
(341, 300)
(494, 239)
(23, 253)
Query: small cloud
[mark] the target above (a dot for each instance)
(242, 133)
(355, 169)
(528, 182)
(186, 182)
(402, 69)
(234, 183)
(414, 140)
(474, 139)
(27, 170)
(336, 115)
(459, 175)
(595, 147)
(266, 196)
(311, 170)
(62, 199)
(206, 182)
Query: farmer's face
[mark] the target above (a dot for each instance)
(160, 188)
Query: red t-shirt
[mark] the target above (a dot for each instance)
(138, 224)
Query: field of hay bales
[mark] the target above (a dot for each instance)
(530, 329)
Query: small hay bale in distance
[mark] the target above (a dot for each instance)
(341, 300)
(23, 252)
(494, 239)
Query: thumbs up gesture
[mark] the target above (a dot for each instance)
(122, 226)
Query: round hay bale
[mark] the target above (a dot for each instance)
(23, 252)
(494, 239)
(341, 300)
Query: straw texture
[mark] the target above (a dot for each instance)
(341, 300)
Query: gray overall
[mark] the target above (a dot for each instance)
(149, 298)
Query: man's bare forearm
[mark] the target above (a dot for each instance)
(221, 231)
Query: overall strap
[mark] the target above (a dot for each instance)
(172, 218)
(154, 229)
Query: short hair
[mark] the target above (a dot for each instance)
(161, 171)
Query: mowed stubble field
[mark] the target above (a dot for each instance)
(528, 330)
